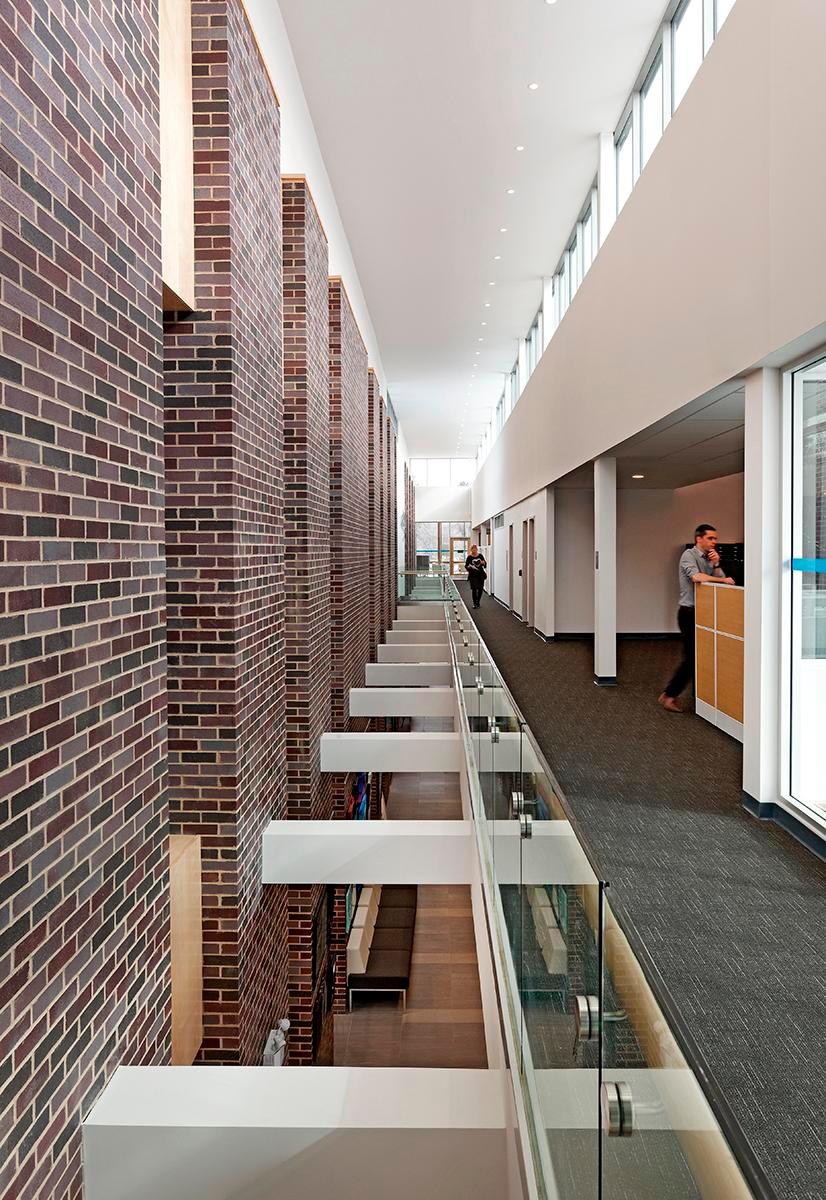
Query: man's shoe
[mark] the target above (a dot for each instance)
(670, 704)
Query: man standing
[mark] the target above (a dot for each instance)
(475, 566)
(701, 564)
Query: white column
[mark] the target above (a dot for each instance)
(607, 185)
(546, 578)
(605, 570)
(763, 504)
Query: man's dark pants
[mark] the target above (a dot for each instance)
(684, 674)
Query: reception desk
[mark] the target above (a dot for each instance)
(719, 656)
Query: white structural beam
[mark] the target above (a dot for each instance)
(208, 1133)
(415, 652)
(605, 570)
(762, 622)
(400, 637)
(414, 610)
(403, 752)
(409, 674)
(417, 852)
(344, 852)
(402, 702)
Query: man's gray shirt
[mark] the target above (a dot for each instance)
(693, 562)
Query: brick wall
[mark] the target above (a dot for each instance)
(307, 572)
(83, 814)
(392, 523)
(225, 547)
(375, 485)
(349, 518)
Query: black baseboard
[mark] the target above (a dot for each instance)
(621, 637)
(605, 680)
(787, 821)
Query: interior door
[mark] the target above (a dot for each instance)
(458, 555)
(510, 567)
(524, 573)
(529, 567)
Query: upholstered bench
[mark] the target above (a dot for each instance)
(380, 947)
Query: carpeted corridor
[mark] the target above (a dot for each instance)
(732, 910)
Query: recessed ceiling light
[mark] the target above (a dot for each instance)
(496, 257)
(550, 1)
(484, 323)
(480, 339)
(487, 304)
(633, 476)
(532, 87)
(492, 283)
(511, 192)
(503, 229)
(520, 147)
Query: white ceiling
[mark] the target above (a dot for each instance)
(703, 440)
(418, 108)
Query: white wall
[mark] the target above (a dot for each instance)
(702, 276)
(653, 526)
(442, 503)
(574, 538)
(301, 155)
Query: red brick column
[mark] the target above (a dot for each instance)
(225, 534)
(349, 514)
(84, 952)
(375, 430)
(307, 577)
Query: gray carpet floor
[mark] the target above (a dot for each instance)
(732, 910)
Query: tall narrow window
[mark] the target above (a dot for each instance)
(687, 46)
(651, 109)
(808, 579)
(722, 8)
(573, 268)
(625, 163)
(587, 241)
(563, 280)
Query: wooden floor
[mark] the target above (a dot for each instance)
(442, 1024)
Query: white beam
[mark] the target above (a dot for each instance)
(762, 637)
(404, 752)
(408, 674)
(414, 652)
(343, 852)
(426, 611)
(207, 1133)
(402, 702)
(400, 637)
(605, 570)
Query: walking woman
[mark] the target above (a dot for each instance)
(475, 565)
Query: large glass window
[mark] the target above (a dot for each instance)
(651, 109)
(808, 650)
(461, 472)
(564, 277)
(587, 241)
(573, 267)
(438, 472)
(625, 163)
(687, 46)
(722, 8)
(418, 471)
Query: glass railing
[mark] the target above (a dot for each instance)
(608, 1104)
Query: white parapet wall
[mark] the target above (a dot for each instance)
(409, 674)
(402, 702)
(344, 852)
(297, 1133)
(417, 652)
(342, 752)
(399, 637)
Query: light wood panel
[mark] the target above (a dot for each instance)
(730, 677)
(187, 948)
(705, 667)
(177, 182)
(704, 600)
(730, 610)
